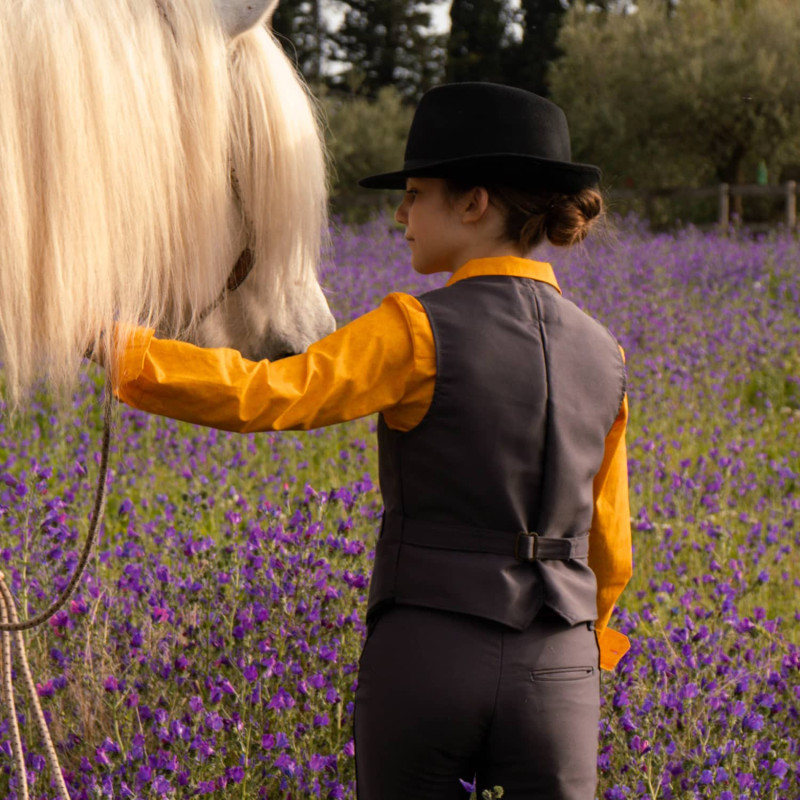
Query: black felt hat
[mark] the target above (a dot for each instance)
(491, 134)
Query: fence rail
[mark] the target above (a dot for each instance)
(723, 192)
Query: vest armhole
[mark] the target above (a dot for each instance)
(624, 377)
(413, 407)
(436, 354)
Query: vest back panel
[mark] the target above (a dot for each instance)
(527, 388)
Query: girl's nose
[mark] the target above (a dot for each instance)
(401, 214)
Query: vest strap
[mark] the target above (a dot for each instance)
(524, 545)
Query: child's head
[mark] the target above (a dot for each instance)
(449, 222)
(530, 218)
(513, 144)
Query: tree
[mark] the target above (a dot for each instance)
(365, 137)
(301, 30)
(700, 94)
(388, 43)
(476, 46)
(541, 22)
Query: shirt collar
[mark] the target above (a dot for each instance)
(506, 265)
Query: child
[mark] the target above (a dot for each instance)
(505, 540)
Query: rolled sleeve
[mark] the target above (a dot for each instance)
(364, 367)
(610, 553)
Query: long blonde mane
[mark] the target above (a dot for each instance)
(121, 126)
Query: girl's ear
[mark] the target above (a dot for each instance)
(473, 204)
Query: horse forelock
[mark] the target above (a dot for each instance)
(278, 158)
(118, 133)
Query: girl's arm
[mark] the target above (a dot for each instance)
(610, 553)
(370, 365)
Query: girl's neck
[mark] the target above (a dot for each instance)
(489, 249)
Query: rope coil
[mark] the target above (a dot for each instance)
(11, 627)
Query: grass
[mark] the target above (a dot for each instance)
(212, 649)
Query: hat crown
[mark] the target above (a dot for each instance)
(461, 120)
(490, 134)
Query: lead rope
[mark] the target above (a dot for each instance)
(10, 624)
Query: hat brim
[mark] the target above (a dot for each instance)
(501, 169)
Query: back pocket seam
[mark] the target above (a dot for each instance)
(562, 674)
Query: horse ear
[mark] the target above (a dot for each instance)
(238, 16)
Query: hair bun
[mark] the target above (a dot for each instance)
(570, 217)
(532, 217)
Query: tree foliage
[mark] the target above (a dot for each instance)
(365, 137)
(388, 43)
(302, 31)
(541, 22)
(682, 94)
(481, 45)
(476, 46)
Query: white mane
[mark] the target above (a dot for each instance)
(121, 124)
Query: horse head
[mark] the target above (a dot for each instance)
(149, 149)
(292, 158)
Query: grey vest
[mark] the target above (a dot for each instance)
(527, 388)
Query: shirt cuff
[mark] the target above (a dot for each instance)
(130, 349)
(613, 646)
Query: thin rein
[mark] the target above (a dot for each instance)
(10, 625)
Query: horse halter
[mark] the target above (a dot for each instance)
(236, 277)
(243, 266)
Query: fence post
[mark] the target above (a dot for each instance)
(648, 207)
(791, 203)
(724, 205)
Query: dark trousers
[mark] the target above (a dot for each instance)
(443, 696)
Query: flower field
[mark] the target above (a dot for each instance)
(212, 648)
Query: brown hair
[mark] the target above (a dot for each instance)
(530, 218)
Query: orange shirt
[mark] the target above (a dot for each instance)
(384, 361)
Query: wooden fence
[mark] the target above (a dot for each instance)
(723, 192)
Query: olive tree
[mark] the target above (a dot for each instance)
(365, 137)
(682, 93)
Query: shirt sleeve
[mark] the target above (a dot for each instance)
(610, 552)
(379, 362)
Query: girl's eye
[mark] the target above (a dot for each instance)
(412, 192)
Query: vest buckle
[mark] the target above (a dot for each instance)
(525, 546)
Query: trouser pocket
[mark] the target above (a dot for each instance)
(562, 673)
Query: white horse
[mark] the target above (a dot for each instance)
(145, 145)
